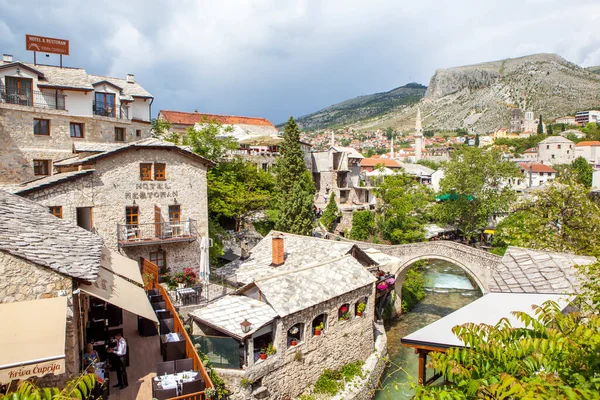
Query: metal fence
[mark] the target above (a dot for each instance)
(156, 231)
(111, 110)
(223, 352)
(32, 98)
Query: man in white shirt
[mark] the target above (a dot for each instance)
(119, 361)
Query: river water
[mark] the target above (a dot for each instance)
(448, 289)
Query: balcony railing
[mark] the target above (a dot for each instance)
(54, 101)
(111, 110)
(155, 233)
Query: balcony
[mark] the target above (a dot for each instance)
(111, 110)
(32, 98)
(129, 235)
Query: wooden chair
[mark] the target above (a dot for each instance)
(166, 325)
(160, 305)
(186, 364)
(153, 292)
(164, 314)
(165, 394)
(193, 387)
(165, 368)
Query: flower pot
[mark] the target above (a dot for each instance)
(359, 314)
(263, 356)
(317, 332)
(294, 342)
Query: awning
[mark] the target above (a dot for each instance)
(120, 265)
(33, 338)
(121, 293)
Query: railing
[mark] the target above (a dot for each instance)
(111, 110)
(54, 101)
(156, 232)
(190, 350)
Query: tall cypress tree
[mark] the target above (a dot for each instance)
(540, 128)
(294, 184)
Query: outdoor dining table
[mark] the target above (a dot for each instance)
(172, 346)
(175, 381)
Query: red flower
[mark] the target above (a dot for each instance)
(343, 309)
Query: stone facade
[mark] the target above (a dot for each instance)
(23, 281)
(287, 374)
(21, 146)
(556, 150)
(116, 184)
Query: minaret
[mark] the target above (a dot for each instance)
(392, 152)
(418, 136)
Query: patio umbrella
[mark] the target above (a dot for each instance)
(204, 264)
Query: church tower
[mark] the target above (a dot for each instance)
(418, 136)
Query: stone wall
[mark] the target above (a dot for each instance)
(287, 374)
(116, 184)
(23, 281)
(20, 146)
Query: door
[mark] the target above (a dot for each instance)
(19, 91)
(105, 104)
(84, 218)
(175, 219)
(157, 222)
(132, 228)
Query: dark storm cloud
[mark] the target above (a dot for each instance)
(279, 58)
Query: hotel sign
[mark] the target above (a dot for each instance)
(55, 367)
(47, 45)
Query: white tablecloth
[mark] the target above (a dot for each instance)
(173, 381)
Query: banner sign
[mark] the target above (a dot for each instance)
(47, 45)
(55, 367)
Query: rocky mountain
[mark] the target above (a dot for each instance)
(363, 108)
(481, 96)
(595, 69)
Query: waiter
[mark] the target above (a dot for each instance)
(119, 361)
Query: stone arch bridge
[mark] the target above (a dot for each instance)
(479, 264)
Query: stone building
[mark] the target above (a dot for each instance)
(534, 175)
(287, 292)
(337, 171)
(46, 110)
(147, 199)
(590, 150)
(556, 150)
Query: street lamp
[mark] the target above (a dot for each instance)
(246, 325)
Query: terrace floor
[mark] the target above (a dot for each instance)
(144, 355)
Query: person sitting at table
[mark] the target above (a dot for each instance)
(90, 356)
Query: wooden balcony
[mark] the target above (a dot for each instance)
(129, 235)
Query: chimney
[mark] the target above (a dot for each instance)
(7, 58)
(277, 249)
(130, 78)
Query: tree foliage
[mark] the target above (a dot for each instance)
(554, 356)
(475, 178)
(331, 214)
(540, 127)
(77, 388)
(210, 140)
(363, 225)
(295, 188)
(519, 145)
(160, 127)
(560, 218)
(404, 206)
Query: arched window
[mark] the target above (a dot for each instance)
(360, 307)
(295, 335)
(344, 312)
(319, 324)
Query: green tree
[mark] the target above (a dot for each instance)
(550, 131)
(293, 206)
(560, 218)
(77, 388)
(402, 214)
(428, 133)
(331, 214)
(363, 225)
(474, 180)
(540, 127)
(210, 140)
(563, 128)
(582, 171)
(477, 140)
(160, 127)
(389, 132)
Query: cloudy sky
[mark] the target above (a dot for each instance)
(276, 58)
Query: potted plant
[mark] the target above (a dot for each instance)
(319, 328)
(263, 353)
(382, 286)
(293, 342)
(148, 279)
(360, 309)
(271, 350)
(210, 393)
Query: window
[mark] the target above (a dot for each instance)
(295, 335)
(41, 167)
(105, 104)
(547, 147)
(319, 324)
(132, 229)
(360, 307)
(160, 172)
(146, 171)
(158, 258)
(344, 312)
(138, 133)
(175, 219)
(119, 134)
(56, 211)
(76, 130)
(552, 156)
(41, 126)
(559, 146)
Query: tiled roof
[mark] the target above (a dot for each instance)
(416, 169)
(555, 139)
(300, 251)
(228, 312)
(536, 167)
(588, 143)
(187, 118)
(534, 271)
(531, 150)
(293, 291)
(89, 147)
(352, 152)
(29, 231)
(372, 162)
(129, 89)
(47, 181)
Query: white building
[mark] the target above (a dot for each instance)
(534, 175)
(566, 120)
(530, 154)
(436, 177)
(590, 150)
(556, 150)
(584, 117)
(45, 110)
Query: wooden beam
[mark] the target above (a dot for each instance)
(422, 372)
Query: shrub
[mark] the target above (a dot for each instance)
(328, 382)
(349, 371)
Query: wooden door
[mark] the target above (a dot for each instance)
(157, 222)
